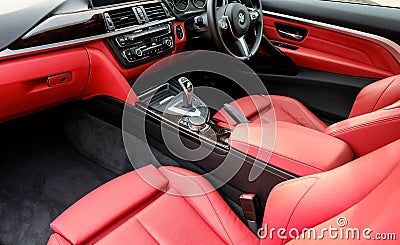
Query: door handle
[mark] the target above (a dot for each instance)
(292, 32)
(291, 35)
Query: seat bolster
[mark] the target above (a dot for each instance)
(108, 204)
(311, 200)
(376, 96)
(56, 239)
(206, 201)
(361, 132)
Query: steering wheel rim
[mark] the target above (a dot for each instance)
(216, 31)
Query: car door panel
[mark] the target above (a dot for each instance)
(381, 21)
(332, 51)
(344, 47)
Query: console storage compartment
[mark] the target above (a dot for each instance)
(298, 150)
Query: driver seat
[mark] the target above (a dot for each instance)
(375, 113)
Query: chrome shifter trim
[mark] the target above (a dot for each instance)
(188, 91)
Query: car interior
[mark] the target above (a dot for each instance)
(199, 121)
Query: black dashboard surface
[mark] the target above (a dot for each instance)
(100, 3)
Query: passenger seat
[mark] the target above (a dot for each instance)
(135, 208)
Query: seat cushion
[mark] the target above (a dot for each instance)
(258, 109)
(168, 205)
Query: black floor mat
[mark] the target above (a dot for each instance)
(41, 174)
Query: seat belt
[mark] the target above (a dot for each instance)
(235, 114)
(249, 205)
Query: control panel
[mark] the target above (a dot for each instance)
(143, 45)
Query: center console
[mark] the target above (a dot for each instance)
(174, 103)
(174, 106)
(296, 151)
(143, 45)
(140, 32)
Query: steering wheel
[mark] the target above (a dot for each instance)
(233, 21)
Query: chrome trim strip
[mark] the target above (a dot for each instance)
(8, 53)
(392, 47)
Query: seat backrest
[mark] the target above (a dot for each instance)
(370, 131)
(374, 120)
(376, 96)
(365, 192)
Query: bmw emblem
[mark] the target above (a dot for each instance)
(241, 18)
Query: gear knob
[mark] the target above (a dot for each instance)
(188, 91)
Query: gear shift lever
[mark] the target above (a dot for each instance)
(187, 88)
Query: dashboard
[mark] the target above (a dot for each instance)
(52, 24)
(65, 50)
(117, 21)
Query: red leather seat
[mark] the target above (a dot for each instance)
(374, 118)
(131, 210)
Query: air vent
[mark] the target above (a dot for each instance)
(122, 18)
(155, 11)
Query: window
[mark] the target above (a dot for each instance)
(386, 3)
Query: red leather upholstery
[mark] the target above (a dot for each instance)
(329, 50)
(377, 96)
(133, 209)
(257, 109)
(373, 122)
(56, 239)
(370, 131)
(364, 191)
(292, 111)
(296, 149)
(252, 107)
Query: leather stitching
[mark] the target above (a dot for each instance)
(298, 203)
(363, 125)
(206, 195)
(144, 228)
(280, 155)
(380, 96)
(292, 181)
(303, 111)
(58, 240)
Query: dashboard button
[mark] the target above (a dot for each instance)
(138, 52)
